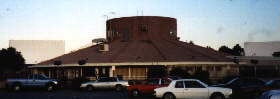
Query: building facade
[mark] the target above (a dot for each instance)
(135, 48)
(36, 51)
(261, 48)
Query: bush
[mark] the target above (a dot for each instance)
(179, 72)
(202, 75)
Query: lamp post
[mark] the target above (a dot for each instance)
(107, 16)
(57, 63)
(255, 62)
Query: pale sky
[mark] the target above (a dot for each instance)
(206, 22)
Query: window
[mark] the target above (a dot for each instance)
(193, 84)
(125, 36)
(179, 84)
(237, 82)
(41, 77)
(104, 80)
(143, 28)
(112, 79)
(153, 81)
(253, 82)
(30, 77)
(165, 81)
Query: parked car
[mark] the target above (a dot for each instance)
(244, 87)
(274, 84)
(105, 83)
(148, 86)
(191, 89)
(271, 94)
(34, 81)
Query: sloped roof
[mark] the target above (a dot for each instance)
(143, 51)
(128, 42)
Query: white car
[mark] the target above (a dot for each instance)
(191, 89)
(105, 83)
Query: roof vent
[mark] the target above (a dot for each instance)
(103, 47)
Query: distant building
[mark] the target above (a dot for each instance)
(259, 59)
(36, 51)
(261, 48)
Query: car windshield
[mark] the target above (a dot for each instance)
(231, 81)
(42, 77)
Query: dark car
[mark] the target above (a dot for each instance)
(274, 84)
(271, 94)
(244, 87)
(35, 81)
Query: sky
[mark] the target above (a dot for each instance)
(205, 22)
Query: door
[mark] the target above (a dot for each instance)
(29, 81)
(103, 83)
(38, 80)
(178, 90)
(195, 90)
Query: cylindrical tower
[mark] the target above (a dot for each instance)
(141, 28)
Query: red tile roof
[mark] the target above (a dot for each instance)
(157, 50)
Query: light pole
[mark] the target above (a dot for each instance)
(107, 16)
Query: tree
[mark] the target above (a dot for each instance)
(238, 50)
(10, 60)
(225, 49)
(276, 54)
(202, 75)
(157, 71)
(191, 42)
(179, 72)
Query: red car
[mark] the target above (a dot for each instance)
(148, 86)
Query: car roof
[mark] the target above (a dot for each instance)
(186, 80)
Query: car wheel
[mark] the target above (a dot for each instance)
(89, 88)
(16, 87)
(135, 93)
(169, 96)
(118, 87)
(50, 87)
(217, 96)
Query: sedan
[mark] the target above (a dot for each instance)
(105, 83)
(191, 89)
(244, 87)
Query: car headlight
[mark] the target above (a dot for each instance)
(55, 82)
(230, 92)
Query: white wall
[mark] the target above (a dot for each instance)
(261, 48)
(35, 51)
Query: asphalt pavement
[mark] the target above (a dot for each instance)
(68, 94)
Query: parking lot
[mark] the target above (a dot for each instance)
(68, 94)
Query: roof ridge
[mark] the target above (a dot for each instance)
(185, 47)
